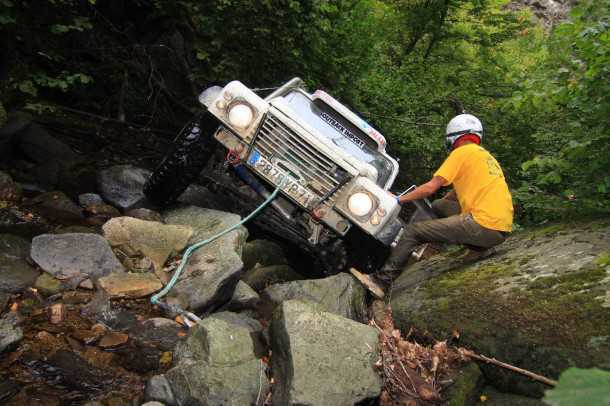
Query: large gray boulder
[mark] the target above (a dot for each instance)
(244, 297)
(209, 279)
(15, 273)
(10, 334)
(340, 294)
(121, 185)
(216, 365)
(153, 239)
(74, 255)
(545, 296)
(320, 358)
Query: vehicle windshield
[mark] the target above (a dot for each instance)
(341, 132)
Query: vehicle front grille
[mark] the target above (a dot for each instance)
(316, 171)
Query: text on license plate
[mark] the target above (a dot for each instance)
(277, 176)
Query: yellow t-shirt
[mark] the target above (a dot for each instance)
(480, 186)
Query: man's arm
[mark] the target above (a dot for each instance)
(425, 190)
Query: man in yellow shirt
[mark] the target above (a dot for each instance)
(478, 212)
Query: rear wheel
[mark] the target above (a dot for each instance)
(184, 162)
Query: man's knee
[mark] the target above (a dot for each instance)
(445, 207)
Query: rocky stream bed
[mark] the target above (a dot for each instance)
(81, 252)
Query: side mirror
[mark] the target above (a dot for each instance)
(209, 95)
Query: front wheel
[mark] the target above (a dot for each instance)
(183, 163)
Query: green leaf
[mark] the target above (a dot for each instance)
(59, 29)
(28, 87)
(577, 387)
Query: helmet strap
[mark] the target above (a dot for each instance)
(475, 139)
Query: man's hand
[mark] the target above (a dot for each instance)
(423, 191)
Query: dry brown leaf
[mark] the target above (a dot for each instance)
(455, 334)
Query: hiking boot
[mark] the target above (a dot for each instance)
(477, 255)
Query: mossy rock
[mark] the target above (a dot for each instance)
(541, 303)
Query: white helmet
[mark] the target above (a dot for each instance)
(461, 125)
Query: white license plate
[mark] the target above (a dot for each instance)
(277, 176)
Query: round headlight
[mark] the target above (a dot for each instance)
(240, 115)
(360, 204)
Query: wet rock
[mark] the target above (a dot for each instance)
(264, 253)
(8, 389)
(39, 146)
(57, 206)
(144, 214)
(259, 277)
(120, 320)
(140, 358)
(217, 366)
(14, 247)
(209, 279)
(158, 332)
(76, 297)
(48, 285)
(90, 199)
(320, 358)
(244, 297)
(3, 115)
(9, 190)
(68, 256)
(130, 285)
(98, 214)
(44, 176)
(10, 334)
(77, 372)
(76, 229)
(155, 240)
(158, 389)
(340, 294)
(21, 223)
(78, 179)
(543, 296)
(16, 274)
(113, 339)
(121, 185)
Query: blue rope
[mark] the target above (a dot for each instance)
(189, 251)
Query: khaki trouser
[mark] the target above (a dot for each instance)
(452, 228)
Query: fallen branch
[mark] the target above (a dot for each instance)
(470, 354)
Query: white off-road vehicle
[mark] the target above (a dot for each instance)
(331, 165)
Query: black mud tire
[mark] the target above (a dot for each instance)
(183, 163)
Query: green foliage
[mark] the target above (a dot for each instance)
(406, 65)
(580, 387)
